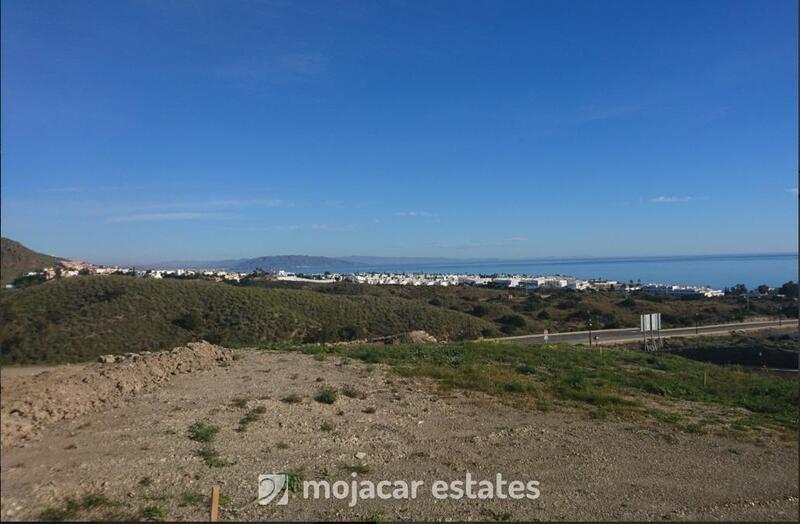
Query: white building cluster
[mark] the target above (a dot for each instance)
(402, 279)
(219, 276)
(682, 291)
(526, 282)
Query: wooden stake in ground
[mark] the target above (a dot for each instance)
(214, 504)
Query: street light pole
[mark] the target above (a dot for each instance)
(590, 332)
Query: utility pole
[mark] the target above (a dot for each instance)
(590, 332)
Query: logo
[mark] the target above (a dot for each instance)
(270, 486)
(354, 490)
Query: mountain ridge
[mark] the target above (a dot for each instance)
(17, 259)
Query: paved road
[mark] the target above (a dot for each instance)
(630, 335)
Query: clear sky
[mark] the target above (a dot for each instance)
(158, 130)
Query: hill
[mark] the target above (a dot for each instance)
(16, 260)
(79, 318)
(517, 312)
(398, 261)
(267, 263)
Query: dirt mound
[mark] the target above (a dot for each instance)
(412, 337)
(29, 402)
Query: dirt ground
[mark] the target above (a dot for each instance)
(137, 452)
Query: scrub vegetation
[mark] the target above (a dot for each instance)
(80, 318)
(613, 381)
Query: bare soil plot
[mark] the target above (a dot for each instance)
(139, 457)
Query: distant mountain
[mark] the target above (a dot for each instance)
(395, 261)
(298, 263)
(295, 263)
(16, 260)
(190, 264)
(291, 263)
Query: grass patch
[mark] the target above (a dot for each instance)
(294, 481)
(251, 416)
(203, 432)
(192, 498)
(613, 382)
(154, 513)
(292, 399)
(211, 457)
(74, 508)
(239, 402)
(695, 429)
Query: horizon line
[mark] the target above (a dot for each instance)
(484, 259)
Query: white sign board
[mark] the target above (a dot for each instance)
(650, 322)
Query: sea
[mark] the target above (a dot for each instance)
(716, 271)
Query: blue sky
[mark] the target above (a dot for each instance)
(156, 130)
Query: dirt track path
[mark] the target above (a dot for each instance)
(139, 453)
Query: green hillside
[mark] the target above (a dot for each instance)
(16, 260)
(81, 317)
(517, 312)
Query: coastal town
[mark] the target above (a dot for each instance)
(69, 269)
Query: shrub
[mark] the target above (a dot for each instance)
(326, 396)
(202, 432)
(513, 321)
(479, 310)
(191, 321)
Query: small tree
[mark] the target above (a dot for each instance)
(480, 310)
(789, 289)
(191, 320)
(513, 321)
(738, 289)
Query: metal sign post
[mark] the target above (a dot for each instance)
(650, 325)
